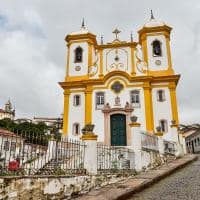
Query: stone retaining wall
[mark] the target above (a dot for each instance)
(39, 188)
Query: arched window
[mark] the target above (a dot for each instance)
(78, 55)
(76, 129)
(161, 95)
(157, 48)
(163, 125)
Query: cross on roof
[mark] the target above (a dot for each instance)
(116, 32)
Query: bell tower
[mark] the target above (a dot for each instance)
(80, 53)
(154, 39)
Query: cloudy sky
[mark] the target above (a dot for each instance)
(33, 51)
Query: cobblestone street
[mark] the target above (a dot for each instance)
(182, 185)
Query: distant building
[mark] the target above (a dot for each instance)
(7, 112)
(51, 122)
(10, 146)
(22, 120)
(191, 133)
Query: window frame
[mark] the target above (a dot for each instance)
(74, 129)
(137, 93)
(75, 55)
(6, 147)
(13, 146)
(163, 95)
(160, 43)
(165, 125)
(99, 106)
(74, 100)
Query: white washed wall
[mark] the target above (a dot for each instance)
(162, 110)
(76, 113)
(98, 115)
(152, 59)
(83, 65)
(124, 54)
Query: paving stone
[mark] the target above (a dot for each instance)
(182, 185)
(124, 189)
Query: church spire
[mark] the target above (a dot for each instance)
(131, 36)
(83, 23)
(152, 16)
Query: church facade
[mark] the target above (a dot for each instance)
(113, 84)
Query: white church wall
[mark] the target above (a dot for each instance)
(162, 110)
(76, 114)
(124, 63)
(83, 65)
(152, 59)
(98, 115)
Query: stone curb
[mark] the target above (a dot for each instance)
(157, 178)
(127, 190)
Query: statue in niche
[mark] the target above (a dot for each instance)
(117, 101)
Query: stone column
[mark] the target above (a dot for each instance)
(136, 144)
(178, 139)
(90, 158)
(51, 151)
(161, 146)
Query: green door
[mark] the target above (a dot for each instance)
(118, 130)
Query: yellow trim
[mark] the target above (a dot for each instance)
(76, 78)
(89, 55)
(161, 72)
(81, 37)
(133, 73)
(160, 85)
(159, 134)
(169, 55)
(134, 124)
(79, 41)
(66, 112)
(145, 51)
(116, 45)
(154, 30)
(174, 126)
(148, 107)
(101, 63)
(68, 58)
(172, 89)
(88, 105)
(89, 136)
(77, 91)
(83, 81)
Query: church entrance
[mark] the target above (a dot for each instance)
(118, 130)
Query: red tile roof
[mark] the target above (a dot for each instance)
(7, 133)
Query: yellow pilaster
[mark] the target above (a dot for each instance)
(101, 63)
(172, 90)
(144, 50)
(88, 105)
(169, 55)
(66, 111)
(68, 57)
(133, 61)
(148, 107)
(89, 54)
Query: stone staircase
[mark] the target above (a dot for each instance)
(50, 168)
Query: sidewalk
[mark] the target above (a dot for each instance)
(125, 189)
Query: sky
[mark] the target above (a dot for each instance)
(33, 50)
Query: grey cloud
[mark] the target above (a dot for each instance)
(32, 57)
